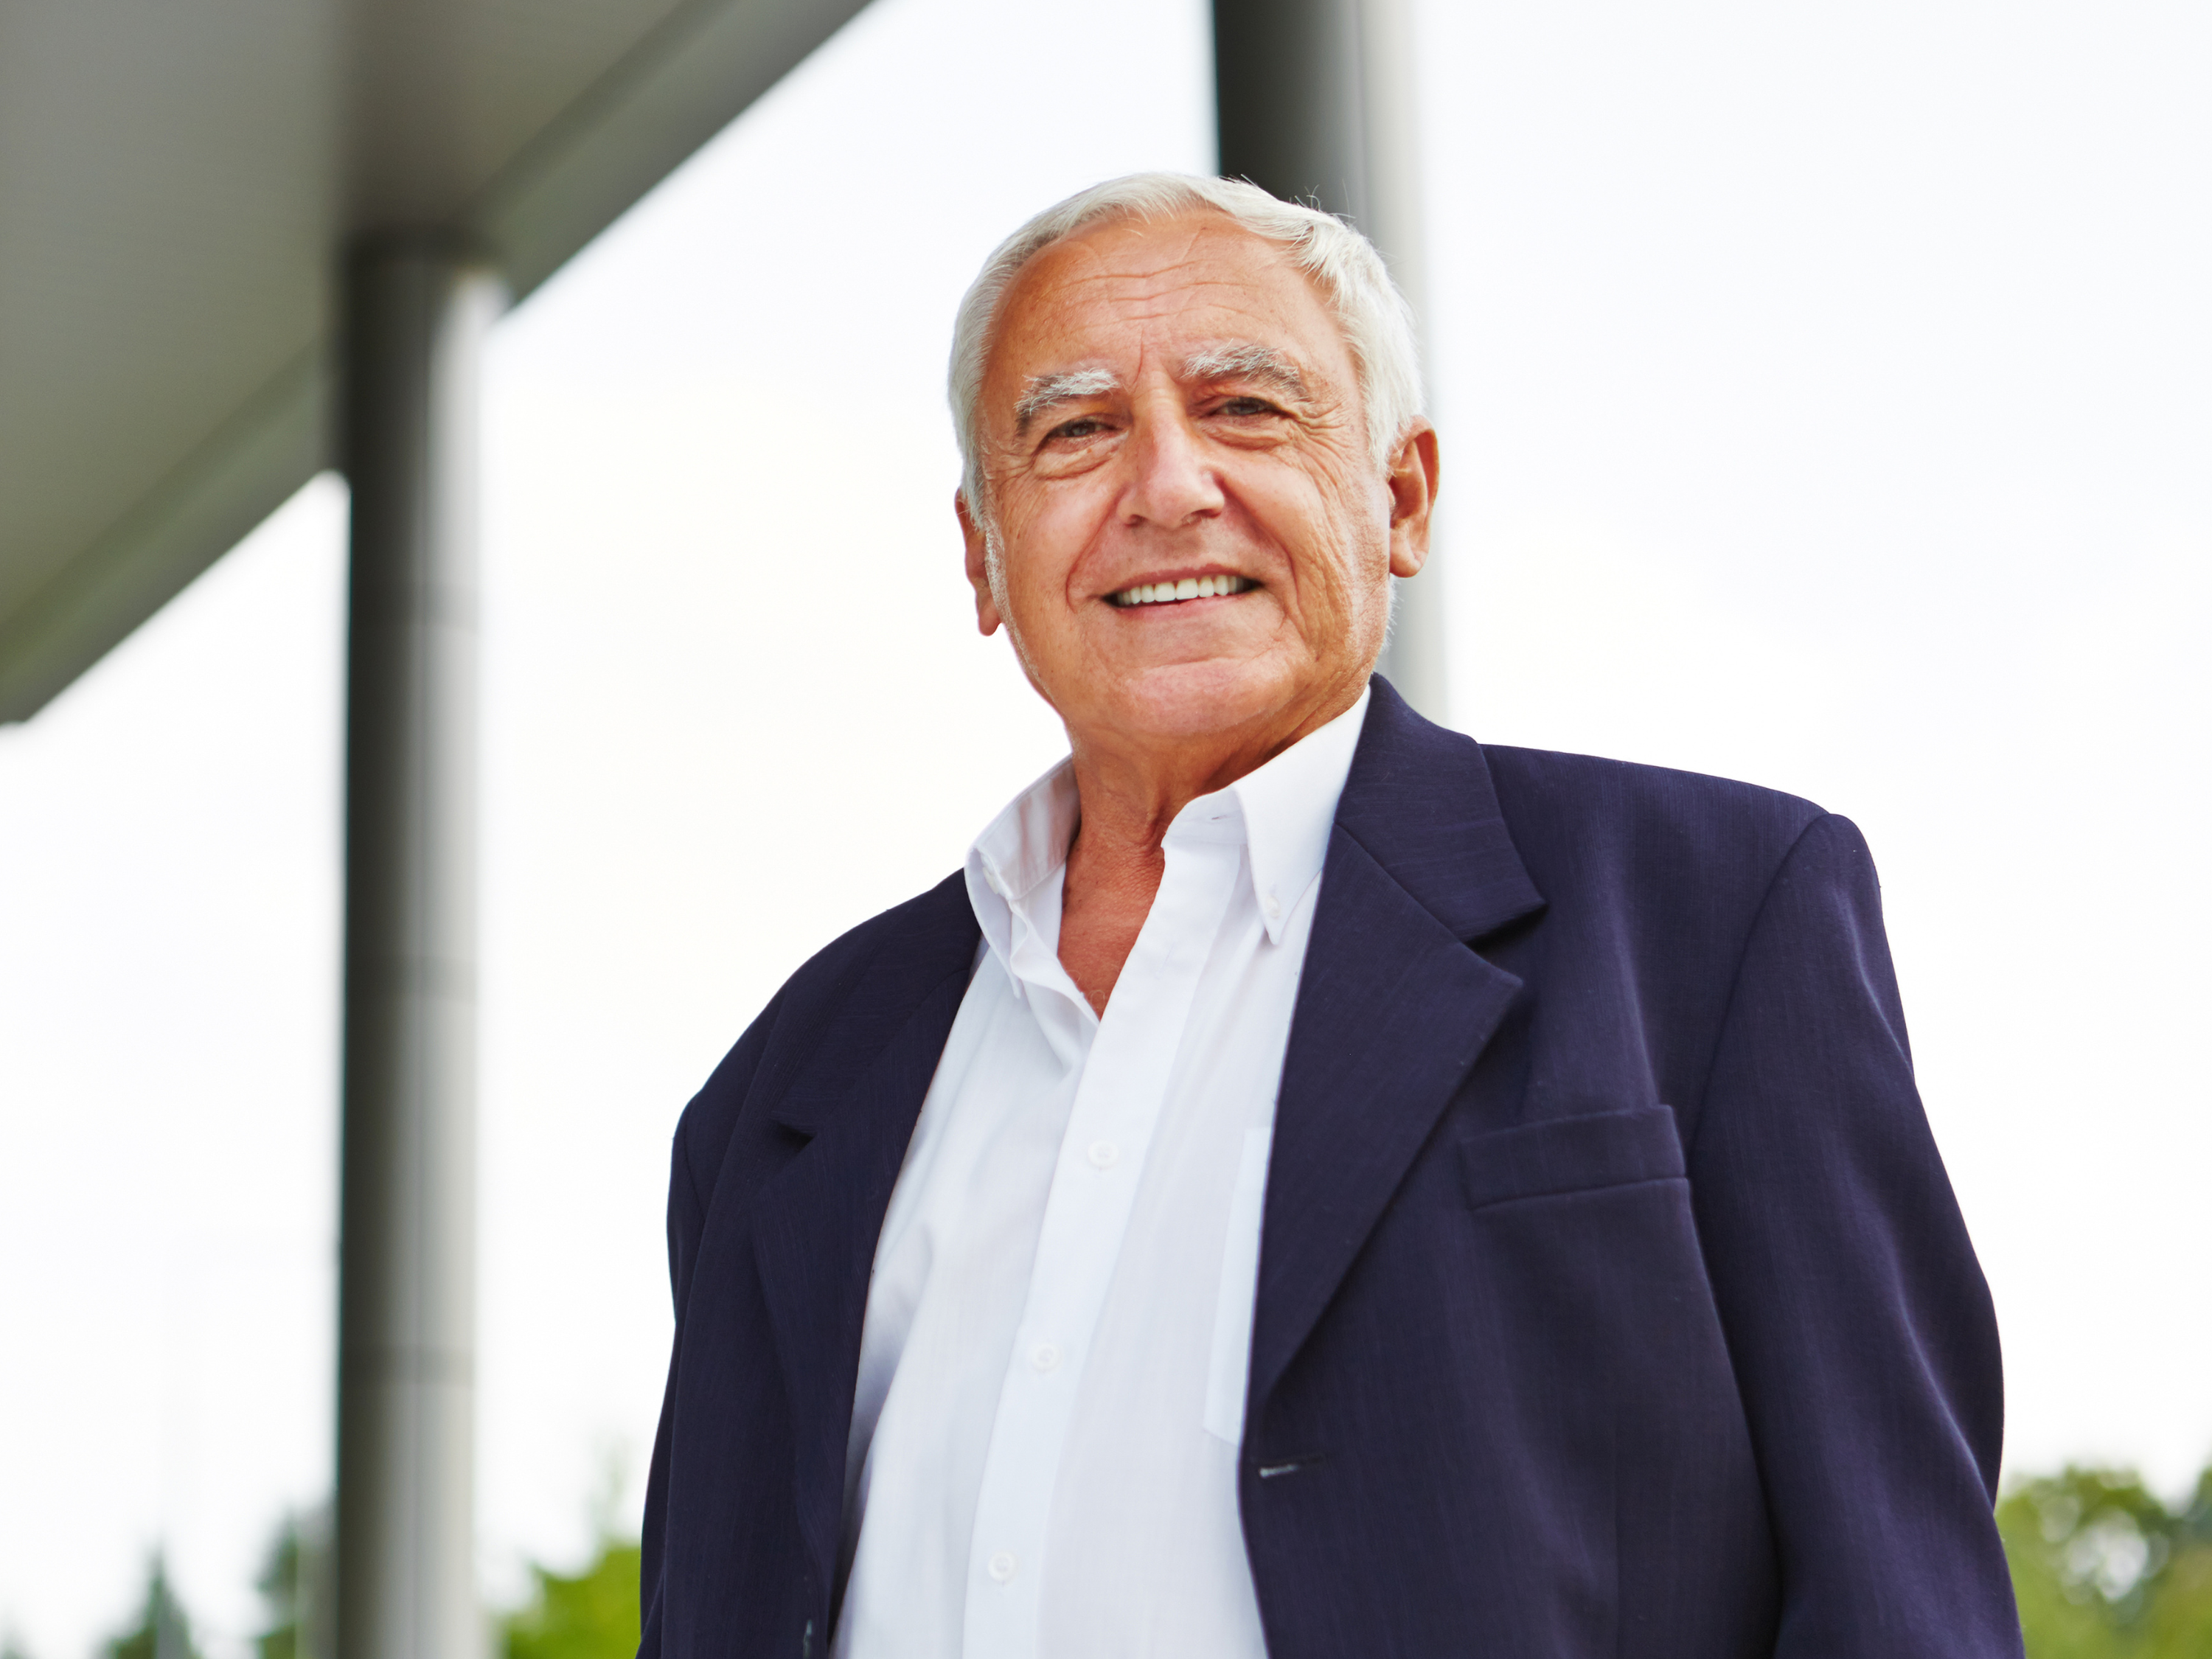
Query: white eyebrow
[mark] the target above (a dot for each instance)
(1044, 390)
(1246, 360)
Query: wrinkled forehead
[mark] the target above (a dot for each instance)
(1118, 294)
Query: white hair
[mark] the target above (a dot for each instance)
(1377, 322)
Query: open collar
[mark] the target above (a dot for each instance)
(1288, 807)
(1281, 811)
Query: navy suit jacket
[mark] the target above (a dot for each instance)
(1612, 1299)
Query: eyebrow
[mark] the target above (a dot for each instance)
(1044, 392)
(1247, 359)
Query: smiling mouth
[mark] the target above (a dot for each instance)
(1177, 592)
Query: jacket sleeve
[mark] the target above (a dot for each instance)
(1861, 1329)
(690, 1188)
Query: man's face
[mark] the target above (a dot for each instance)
(1168, 407)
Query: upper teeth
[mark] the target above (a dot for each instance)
(1190, 587)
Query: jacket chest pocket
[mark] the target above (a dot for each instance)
(1566, 1154)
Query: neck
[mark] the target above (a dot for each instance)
(1129, 795)
(1131, 791)
(1127, 806)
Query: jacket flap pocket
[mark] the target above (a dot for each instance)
(1570, 1154)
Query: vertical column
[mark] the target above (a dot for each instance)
(1314, 100)
(416, 311)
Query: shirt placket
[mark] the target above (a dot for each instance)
(1094, 1190)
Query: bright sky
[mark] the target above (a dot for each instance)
(1826, 400)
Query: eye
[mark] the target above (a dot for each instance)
(1238, 408)
(1085, 427)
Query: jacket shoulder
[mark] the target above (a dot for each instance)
(821, 1028)
(1584, 813)
(887, 946)
(1655, 884)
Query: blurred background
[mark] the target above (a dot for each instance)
(1825, 398)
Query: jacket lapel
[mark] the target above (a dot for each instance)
(1393, 1005)
(815, 1226)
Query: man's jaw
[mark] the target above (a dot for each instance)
(1181, 590)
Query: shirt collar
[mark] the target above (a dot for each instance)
(1282, 812)
(1023, 849)
(1288, 806)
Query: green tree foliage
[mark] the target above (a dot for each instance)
(293, 1585)
(163, 1631)
(2104, 1569)
(591, 1615)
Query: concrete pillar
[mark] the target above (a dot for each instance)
(416, 311)
(1315, 100)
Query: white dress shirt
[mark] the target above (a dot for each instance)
(1051, 1399)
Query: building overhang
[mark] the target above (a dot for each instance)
(178, 179)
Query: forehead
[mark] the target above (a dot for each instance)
(1113, 293)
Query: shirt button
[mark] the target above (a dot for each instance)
(1103, 1154)
(1273, 907)
(1045, 1357)
(1003, 1566)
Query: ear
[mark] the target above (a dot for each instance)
(979, 568)
(1412, 483)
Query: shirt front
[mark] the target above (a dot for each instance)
(1051, 1396)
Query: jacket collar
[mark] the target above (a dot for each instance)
(1419, 801)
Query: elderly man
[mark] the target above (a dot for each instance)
(1313, 1185)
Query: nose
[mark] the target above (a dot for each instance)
(1172, 481)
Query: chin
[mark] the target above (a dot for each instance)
(1195, 699)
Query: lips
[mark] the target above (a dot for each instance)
(1181, 590)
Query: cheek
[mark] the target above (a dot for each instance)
(1362, 514)
(1059, 526)
(1039, 542)
(1338, 537)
